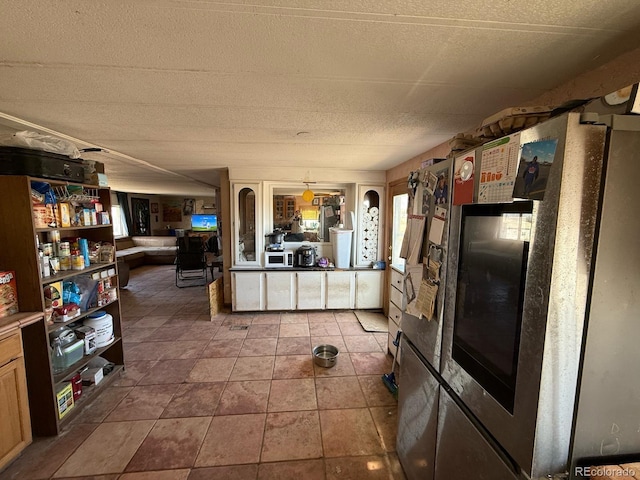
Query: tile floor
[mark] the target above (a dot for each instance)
(209, 399)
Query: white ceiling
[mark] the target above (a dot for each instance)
(176, 89)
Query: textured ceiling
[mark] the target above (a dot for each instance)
(178, 89)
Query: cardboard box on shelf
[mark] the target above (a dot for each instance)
(8, 294)
(92, 376)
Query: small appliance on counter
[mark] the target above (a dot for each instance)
(306, 256)
(274, 241)
(278, 259)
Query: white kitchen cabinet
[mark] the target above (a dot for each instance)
(247, 291)
(396, 306)
(341, 289)
(369, 284)
(311, 290)
(280, 290)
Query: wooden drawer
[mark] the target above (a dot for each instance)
(395, 314)
(397, 279)
(397, 298)
(10, 347)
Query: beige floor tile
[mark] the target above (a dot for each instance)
(324, 329)
(298, 470)
(223, 348)
(168, 372)
(166, 334)
(194, 400)
(45, 455)
(211, 370)
(232, 472)
(183, 349)
(258, 347)
(350, 328)
(172, 443)
(244, 397)
(362, 343)
(375, 391)
(252, 368)
(143, 403)
(294, 330)
(226, 332)
(321, 317)
(292, 395)
(294, 346)
(104, 404)
(291, 436)
(232, 440)
(371, 363)
(358, 468)
(294, 317)
(349, 432)
(346, 316)
(339, 392)
(293, 366)
(263, 331)
(386, 420)
(144, 351)
(133, 373)
(152, 321)
(135, 334)
(266, 319)
(92, 458)
(181, 474)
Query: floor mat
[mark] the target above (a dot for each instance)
(372, 321)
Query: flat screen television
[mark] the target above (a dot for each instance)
(204, 222)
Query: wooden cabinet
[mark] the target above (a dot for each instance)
(310, 290)
(369, 289)
(15, 425)
(247, 291)
(280, 290)
(20, 236)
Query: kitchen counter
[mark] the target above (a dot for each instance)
(19, 320)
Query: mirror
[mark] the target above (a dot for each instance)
(308, 221)
(246, 225)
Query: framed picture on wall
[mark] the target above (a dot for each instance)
(154, 208)
(316, 201)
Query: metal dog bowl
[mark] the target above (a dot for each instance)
(325, 355)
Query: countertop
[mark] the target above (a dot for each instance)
(19, 320)
(304, 269)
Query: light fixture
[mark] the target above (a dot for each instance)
(307, 195)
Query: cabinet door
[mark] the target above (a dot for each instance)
(369, 289)
(310, 291)
(280, 290)
(15, 427)
(341, 289)
(247, 291)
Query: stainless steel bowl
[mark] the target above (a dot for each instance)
(325, 355)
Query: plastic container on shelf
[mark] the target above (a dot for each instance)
(341, 243)
(102, 323)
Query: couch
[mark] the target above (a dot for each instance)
(145, 250)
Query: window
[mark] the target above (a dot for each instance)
(119, 222)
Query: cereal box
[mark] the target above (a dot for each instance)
(8, 294)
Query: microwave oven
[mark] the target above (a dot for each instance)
(279, 259)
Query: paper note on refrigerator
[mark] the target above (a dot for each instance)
(436, 230)
(412, 241)
(413, 280)
(426, 302)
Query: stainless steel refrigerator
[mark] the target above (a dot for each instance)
(528, 369)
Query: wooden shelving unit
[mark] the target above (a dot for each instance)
(19, 252)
